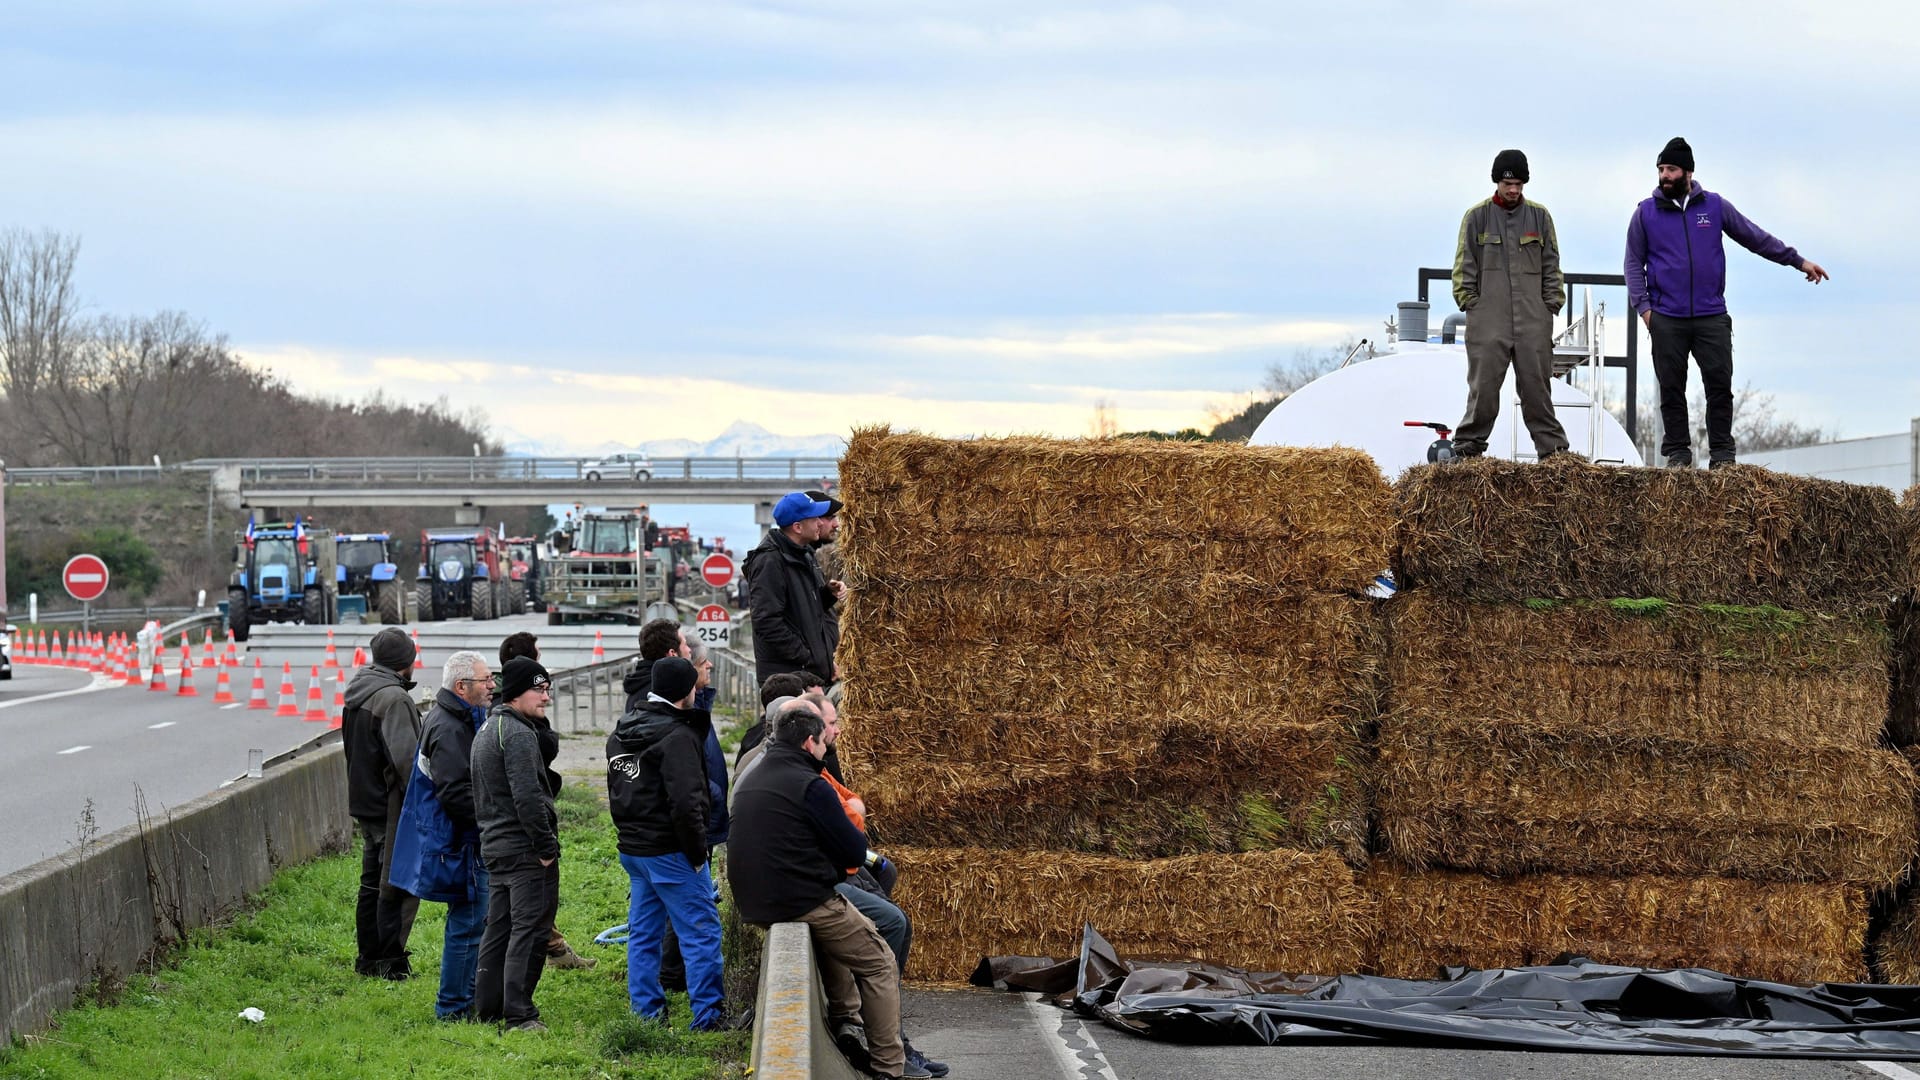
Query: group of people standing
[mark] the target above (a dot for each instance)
(1507, 278)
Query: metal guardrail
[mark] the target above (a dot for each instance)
(595, 699)
(162, 611)
(799, 470)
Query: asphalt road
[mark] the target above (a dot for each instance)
(72, 751)
(984, 1033)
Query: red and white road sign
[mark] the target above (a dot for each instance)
(717, 570)
(85, 577)
(713, 625)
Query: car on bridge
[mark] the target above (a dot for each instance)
(618, 466)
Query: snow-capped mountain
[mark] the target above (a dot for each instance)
(742, 438)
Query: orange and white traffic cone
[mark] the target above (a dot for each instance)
(110, 664)
(419, 662)
(316, 702)
(599, 650)
(56, 657)
(339, 700)
(333, 655)
(208, 659)
(223, 688)
(232, 658)
(97, 655)
(159, 681)
(257, 697)
(186, 672)
(289, 706)
(25, 656)
(359, 658)
(130, 663)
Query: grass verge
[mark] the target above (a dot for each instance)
(291, 956)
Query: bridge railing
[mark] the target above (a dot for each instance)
(801, 471)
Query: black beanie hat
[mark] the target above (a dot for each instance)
(1677, 152)
(674, 678)
(392, 649)
(1510, 164)
(519, 676)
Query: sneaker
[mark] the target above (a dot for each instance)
(916, 1059)
(567, 958)
(1717, 462)
(534, 1026)
(1675, 461)
(851, 1038)
(914, 1072)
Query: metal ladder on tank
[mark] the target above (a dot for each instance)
(1581, 345)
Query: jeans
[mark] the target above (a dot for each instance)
(886, 918)
(664, 889)
(460, 953)
(521, 899)
(382, 914)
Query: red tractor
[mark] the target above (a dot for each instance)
(463, 571)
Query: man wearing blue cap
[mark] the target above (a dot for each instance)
(792, 601)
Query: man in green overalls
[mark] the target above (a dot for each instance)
(1506, 277)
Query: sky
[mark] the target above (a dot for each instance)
(610, 222)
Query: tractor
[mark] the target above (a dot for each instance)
(523, 553)
(365, 567)
(463, 571)
(602, 571)
(283, 572)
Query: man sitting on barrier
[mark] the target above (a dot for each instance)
(792, 844)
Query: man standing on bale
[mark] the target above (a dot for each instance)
(380, 731)
(513, 791)
(1677, 281)
(1506, 277)
(792, 602)
(658, 795)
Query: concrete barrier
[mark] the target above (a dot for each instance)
(790, 1036)
(98, 912)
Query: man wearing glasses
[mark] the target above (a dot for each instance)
(513, 791)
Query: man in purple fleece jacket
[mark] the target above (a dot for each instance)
(1677, 282)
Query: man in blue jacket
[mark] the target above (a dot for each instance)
(1677, 281)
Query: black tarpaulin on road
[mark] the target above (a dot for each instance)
(1575, 1005)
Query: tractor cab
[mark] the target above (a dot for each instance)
(365, 567)
(462, 573)
(283, 571)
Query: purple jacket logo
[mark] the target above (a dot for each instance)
(1702, 221)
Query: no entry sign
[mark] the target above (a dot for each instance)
(717, 570)
(85, 577)
(713, 625)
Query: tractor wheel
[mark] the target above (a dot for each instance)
(313, 608)
(482, 605)
(423, 602)
(237, 615)
(387, 598)
(516, 597)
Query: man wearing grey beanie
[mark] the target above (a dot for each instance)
(380, 729)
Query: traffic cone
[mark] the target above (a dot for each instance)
(96, 658)
(599, 650)
(359, 657)
(316, 702)
(288, 706)
(209, 659)
(419, 663)
(333, 656)
(257, 697)
(110, 662)
(159, 681)
(223, 688)
(232, 657)
(57, 658)
(186, 672)
(339, 700)
(130, 663)
(25, 656)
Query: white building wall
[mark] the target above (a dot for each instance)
(1886, 460)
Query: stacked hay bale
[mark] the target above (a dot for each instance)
(1123, 681)
(1638, 713)
(1897, 948)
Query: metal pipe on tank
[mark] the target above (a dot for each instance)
(1451, 326)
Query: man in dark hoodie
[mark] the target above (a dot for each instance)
(657, 792)
(1676, 270)
(559, 953)
(513, 791)
(791, 601)
(446, 758)
(380, 730)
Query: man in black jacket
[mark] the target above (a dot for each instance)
(446, 757)
(792, 843)
(791, 600)
(513, 791)
(380, 730)
(658, 795)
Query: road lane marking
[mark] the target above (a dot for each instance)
(1070, 1042)
(161, 724)
(100, 682)
(75, 749)
(1888, 1068)
(235, 705)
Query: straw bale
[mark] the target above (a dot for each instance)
(1306, 791)
(1709, 673)
(1781, 931)
(922, 506)
(1506, 796)
(1270, 911)
(1497, 530)
(1896, 948)
(1903, 714)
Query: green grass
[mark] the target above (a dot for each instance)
(292, 957)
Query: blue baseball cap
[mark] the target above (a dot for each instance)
(796, 506)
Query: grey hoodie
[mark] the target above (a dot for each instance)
(380, 729)
(512, 799)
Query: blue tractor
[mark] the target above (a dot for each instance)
(283, 572)
(365, 567)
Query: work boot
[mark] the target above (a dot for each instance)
(396, 969)
(533, 1026)
(1676, 461)
(916, 1059)
(851, 1039)
(567, 958)
(1717, 462)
